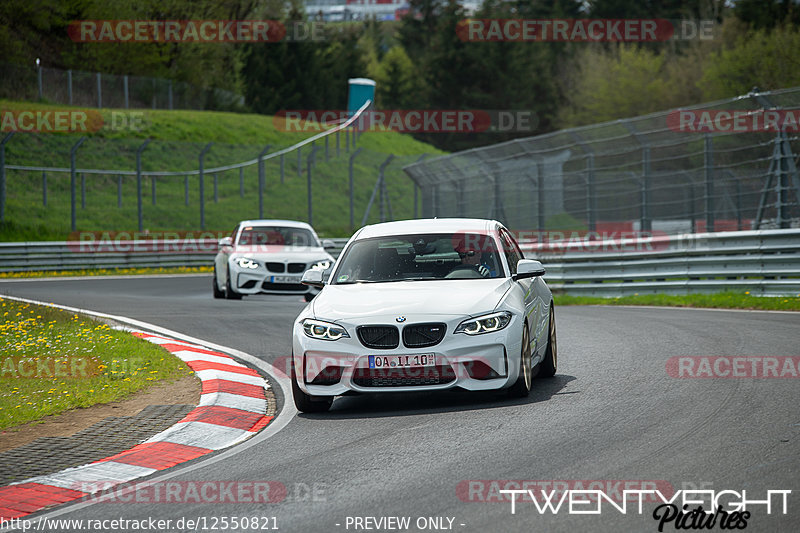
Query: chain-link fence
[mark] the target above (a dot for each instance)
(719, 166)
(335, 182)
(93, 89)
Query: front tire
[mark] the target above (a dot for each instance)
(522, 387)
(231, 294)
(217, 292)
(303, 401)
(549, 365)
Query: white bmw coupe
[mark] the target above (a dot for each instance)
(269, 257)
(424, 305)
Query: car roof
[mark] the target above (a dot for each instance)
(428, 225)
(275, 222)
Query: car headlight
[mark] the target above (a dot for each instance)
(246, 262)
(326, 331)
(321, 265)
(485, 323)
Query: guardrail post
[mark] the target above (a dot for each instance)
(337, 143)
(69, 86)
(139, 183)
(216, 189)
(708, 165)
(202, 192)
(153, 190)
(119, 190)
(125, 89)
(416, 187)
(347, 141)
(3, 175)
(647, 224)
(350, 173)
(44, 188)
(83, 190)
(99, 91)
(262, 180)
(241, 182)
(186, 190)
(299, 162)
(72, 151)
(738, 205)
(309, 164)
(540, 195)
(384, 191)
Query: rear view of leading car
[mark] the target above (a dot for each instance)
(424, 305)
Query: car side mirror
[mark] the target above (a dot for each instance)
(313, 278)
(328, 244)
(225, 241)
(528, 268)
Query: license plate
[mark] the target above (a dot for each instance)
(284, 279)
(402, 361)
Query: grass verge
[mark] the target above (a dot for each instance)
(722, 300)
(52, 361)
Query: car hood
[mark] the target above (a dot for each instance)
(441, 297)
(300, 254)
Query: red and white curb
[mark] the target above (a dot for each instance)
(232, 408)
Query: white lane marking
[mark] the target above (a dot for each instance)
(86, 278)
(285, 415)
(676, 308)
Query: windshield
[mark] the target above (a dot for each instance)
(269, 235)
(420, 257)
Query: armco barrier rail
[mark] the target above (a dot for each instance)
(765, 262)
(76, 255)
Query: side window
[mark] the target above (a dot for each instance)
(233, 235)
(511, 251)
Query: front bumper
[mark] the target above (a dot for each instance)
(261, 281)
(480, 362)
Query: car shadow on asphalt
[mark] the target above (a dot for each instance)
(414, 403)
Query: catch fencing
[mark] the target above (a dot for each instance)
(706, 168)
(95, 89)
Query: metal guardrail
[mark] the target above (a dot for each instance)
(76, 255)
(764, 262)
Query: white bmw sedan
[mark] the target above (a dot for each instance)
(424, 305)
(269, 257)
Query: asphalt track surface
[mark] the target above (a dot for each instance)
(611, 413)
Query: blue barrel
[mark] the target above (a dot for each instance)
(359, 91)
